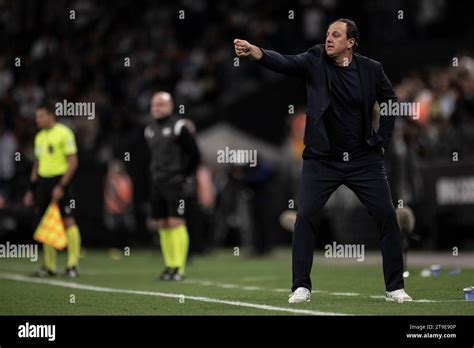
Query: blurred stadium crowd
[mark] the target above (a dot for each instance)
(117, 53)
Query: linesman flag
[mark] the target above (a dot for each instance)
(50, 230)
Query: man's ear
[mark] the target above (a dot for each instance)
(351, 42)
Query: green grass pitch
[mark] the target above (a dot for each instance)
(219, 284)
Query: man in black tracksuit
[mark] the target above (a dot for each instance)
(174, 158)
(342, 146)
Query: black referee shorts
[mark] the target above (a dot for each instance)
(43, 196)
(167, 200)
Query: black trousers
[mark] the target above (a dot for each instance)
(367, 178)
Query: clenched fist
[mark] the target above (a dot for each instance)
(244, 49)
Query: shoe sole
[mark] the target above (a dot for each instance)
(387, 299)
(308, 300)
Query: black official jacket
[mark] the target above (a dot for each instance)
(174, 154)
(312, 66)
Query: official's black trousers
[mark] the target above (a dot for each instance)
(367, 178)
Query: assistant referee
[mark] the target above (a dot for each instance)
(56, 162)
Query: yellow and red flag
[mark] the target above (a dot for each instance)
(51, 230)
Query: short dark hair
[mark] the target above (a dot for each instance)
(47, 105)
(351, 29)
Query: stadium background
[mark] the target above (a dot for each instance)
(427, 55)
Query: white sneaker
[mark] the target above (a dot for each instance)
(300, 295)
(399, 296)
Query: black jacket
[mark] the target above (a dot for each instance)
(312, 66)
(174, 154)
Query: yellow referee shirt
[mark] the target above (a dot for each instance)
(52, 146)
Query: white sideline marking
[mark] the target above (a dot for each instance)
(72, 285)
(255, 288)
(242, 287)
(229, 286)
(258, 278)
(437, 301)
(237, 286)
(344, 293)
(419, 301)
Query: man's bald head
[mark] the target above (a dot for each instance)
(161, 105)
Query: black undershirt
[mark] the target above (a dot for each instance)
(343, 118)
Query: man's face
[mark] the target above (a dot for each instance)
(161, 105)
(336, 40)
(43, 118)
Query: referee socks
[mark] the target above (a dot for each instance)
(174, 245)
(74, 246)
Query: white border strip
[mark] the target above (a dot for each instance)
(73, 285)
(256, 288)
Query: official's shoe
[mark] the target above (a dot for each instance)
(176, 276)
(399, 296)
(43, 272)
(71, 272)
(167, 274)
(300, 295)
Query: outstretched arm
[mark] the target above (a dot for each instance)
(296, 65)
